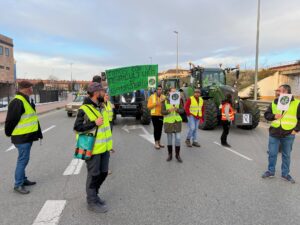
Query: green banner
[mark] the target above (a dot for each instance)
(128, 79)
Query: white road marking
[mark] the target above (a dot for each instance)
(146, 134)
(148, 137)
(74, 167)
(50, 213)
(49, 128)
(235, 152)
(44, 131)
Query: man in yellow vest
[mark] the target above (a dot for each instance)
(90, 116)
(193, 109)
(22, 125)
(285, 125)
(154, 104)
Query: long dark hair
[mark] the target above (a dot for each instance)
(228, 99)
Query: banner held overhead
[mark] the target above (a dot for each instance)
(128, 79)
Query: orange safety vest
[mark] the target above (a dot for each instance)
(231, 112)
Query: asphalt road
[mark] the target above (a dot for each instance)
(213, 185)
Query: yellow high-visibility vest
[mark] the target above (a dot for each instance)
(29, 122)
(195, 107)
(103, 140)
(155, 98)
(109, 110)
(289, 120)
(173, 116)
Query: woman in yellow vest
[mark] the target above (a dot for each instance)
(90, 115)
(154, 105)
(227, 116)
(172, 125)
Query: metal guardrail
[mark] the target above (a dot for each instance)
(263, 106)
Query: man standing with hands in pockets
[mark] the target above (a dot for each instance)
(285, 125)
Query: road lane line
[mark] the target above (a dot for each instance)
(12, 147)
(50, 213)
(148, 137)
(235, 152)
(49, 128)
(74, 167)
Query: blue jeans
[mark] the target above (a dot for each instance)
(170, 138)
(193, 124)
(23, 159)
(286, 145)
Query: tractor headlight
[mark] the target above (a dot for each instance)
(123, 99)
(133, 100)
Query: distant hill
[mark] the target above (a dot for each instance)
(247, 77)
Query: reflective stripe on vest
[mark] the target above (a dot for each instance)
(109, 110)
(103, 140)
(172, 117)
(195, 107)
(231, 112)
(28, 122)
(289, 120)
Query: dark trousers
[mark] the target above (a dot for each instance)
(158, 123)
(226, 127)
(97, 170)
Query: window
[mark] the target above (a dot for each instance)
(7, 51)
(1, 50)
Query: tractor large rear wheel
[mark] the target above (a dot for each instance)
(146, 116)
(210, 116)
(252, 108)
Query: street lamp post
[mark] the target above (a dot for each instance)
(257, 51)
(71, 64)
(177, 43)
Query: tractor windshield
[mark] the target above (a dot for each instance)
(171, 84)
(210, 78)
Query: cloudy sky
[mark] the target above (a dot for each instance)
(96, 35)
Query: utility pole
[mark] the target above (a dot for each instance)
(257, 51)
(71, 64)
(177, 43)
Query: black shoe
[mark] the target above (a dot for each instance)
(29, 183)
(196, 144)
(101, 201)
(97, 208)
(226, 145)
(21, 190)
(268, 174)
(288, 178)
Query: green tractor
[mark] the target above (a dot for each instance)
(212, 82)
(170, 83)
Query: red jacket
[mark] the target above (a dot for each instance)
(187, 108)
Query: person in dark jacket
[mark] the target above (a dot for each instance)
(97, 166)
(23, 126)
(172, 125)
(285, 125)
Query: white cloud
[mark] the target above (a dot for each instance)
(31, 65)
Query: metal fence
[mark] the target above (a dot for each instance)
(41, 96)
